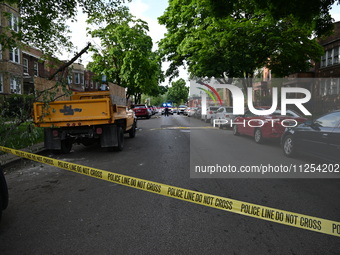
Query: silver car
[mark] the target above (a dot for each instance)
(224, 113)
(211, 110)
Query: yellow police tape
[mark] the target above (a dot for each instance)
(253, 210)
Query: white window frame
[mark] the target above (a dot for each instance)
(15, 85)
(36, 68)
(76, 78)
(13, 22)
(25, 65)
(14, 55)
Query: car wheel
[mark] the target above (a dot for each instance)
(258, 136)
(235, 130)
(288, 146)
(66, 146)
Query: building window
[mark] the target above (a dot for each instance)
(1, 83)
(77, 78)
(330, 57)
(25, 65)
(15, 85)
(13, 22)
(336, 55)
(323, 60)
(69, 79)
(82, 79)
(14, 55)
(36, 67)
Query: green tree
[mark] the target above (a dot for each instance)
(236, 43)
(126, 55)
(314, 12)
(178, 92)
(42, 23)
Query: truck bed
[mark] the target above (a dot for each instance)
(76, 112)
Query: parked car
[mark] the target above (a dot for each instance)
(224, 113)
(267, 126)
(319, 138)
(197, 113)
(210, 111)
(181, 109)
(191, 111)
(155, 109)
(3, 192)
(142, 110)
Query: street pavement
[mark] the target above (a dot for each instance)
(53, 211)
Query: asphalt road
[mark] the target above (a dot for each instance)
(53, 211)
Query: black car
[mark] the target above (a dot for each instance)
(3, 192)
(319, 138)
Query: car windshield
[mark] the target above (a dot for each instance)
(139, 106)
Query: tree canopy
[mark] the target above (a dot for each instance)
(178, 92)
(42, 23)
(234, 38)
(126, 55)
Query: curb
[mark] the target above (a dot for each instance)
(9, 158)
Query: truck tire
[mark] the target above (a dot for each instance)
(120, 139)
(3, 192)
(66, 146)
(132, 131)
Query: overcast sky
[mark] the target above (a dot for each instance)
(147, 10)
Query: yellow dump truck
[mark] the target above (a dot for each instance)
(87, 118)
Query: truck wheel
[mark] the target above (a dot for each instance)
(3, 192)
(66, 146)
(132, 131)
(120, 139)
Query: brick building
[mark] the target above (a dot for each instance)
(11, 70)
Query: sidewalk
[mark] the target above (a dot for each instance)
(8, 157)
